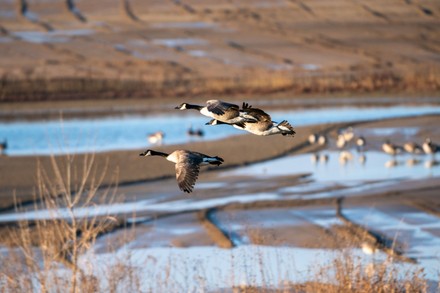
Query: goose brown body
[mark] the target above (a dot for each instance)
(187, 164)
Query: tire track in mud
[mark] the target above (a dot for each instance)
(128, 11)
(73, 9)
(24, 12)
(376, 13)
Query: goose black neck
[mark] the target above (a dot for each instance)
(156, 153)
(196, 107)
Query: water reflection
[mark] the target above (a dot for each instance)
(345, 167)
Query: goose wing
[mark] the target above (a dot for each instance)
(255, 114)
(219, 108)
(187, 171)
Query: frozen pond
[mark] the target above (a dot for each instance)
(130, 132)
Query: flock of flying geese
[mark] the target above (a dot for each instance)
(345, 136)
(253, 120)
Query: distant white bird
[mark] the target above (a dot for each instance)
(341, 142)
(313, 138)
(360, 142)
(322, 140)
(412, 148)
(390, 148)
(187, 165)
(347, 133)
(429, 147)
(156, 138)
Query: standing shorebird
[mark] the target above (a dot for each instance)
(360, 142)
(222, 111)
(187, 165)
(412, 148)
(313, 138)
(156, 138)
(341, 142)
(348, 133)
(390, 148)
(322, 140)
(260, 123)
(429, 147)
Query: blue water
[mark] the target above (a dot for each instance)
(130, 132)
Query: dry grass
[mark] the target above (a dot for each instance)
(44, 255)
(423, 79)
(348, 274)
(39, 247)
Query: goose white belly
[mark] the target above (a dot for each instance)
(173, 157)
(206, 112)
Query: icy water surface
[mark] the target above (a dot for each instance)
(373, 166)
(130, 132)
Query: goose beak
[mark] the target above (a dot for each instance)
(177, 107)
(142, 154)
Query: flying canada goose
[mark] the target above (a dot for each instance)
(263, 124)
(390, 148)
(187, 165)
(225, 112)
(156, 138)
(412, 148)
(429, 147)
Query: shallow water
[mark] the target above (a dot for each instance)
(56, 36)
(376, 167)
(130, 132)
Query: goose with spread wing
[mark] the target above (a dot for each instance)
(187, 165)
(259, 123)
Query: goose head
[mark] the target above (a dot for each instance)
(146, 153)
(182, 106)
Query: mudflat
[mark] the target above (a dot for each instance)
(146, 49)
